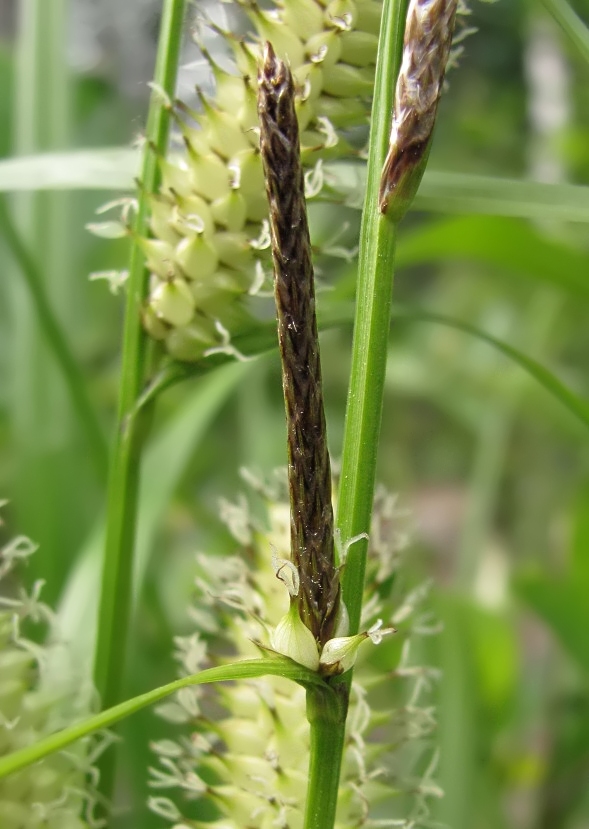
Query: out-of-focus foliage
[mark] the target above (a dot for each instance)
(494, 470)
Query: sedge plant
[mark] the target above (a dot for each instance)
(203, 250)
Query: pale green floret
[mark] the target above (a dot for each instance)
(35, 700)
(294, 639)
(340, 653)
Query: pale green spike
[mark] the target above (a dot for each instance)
(192, 215)
(309, 79)
(368, 17)
(247, 167)
(285, 41)
(154, 326)
(161, 221)
(159, 256)
(208, 175)
(342, 112)
(341, 13)
(221, 130)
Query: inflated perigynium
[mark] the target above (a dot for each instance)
(248, 766)
(39, 694)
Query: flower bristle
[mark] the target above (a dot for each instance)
(41, 692)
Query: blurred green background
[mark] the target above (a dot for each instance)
(493, 469)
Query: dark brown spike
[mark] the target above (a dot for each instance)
(309, 471)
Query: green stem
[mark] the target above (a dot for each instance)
(371, 332)
(371, 327)
(56, 340)
(115, 600)
(326, 713)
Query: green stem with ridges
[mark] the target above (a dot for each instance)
(371, 326)
(115, 602)
(327, 715)
(327, 720)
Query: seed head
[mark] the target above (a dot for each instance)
(309, 472)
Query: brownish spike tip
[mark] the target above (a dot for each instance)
(309, 471)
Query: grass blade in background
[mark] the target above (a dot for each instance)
(116, 168)
(571, 24)
(576, 405)
(465, 193)
(116, 587)
(113, 168)
(453, 192)
(52, 478)
(507, 244)
(164, 464)
(57, 341)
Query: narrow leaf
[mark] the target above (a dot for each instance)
(164, 464)
(563, 606)
(248, 669)
(446, 192)
(512, 245)
(109, 169)
(577, 405)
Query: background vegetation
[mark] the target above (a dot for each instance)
(493, 470)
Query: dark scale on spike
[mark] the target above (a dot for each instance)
(309, 472)
(426, 49)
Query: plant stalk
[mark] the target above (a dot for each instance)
(132, 423)
(371, 326)
(326, 713)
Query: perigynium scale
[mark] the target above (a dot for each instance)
(426, 48)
